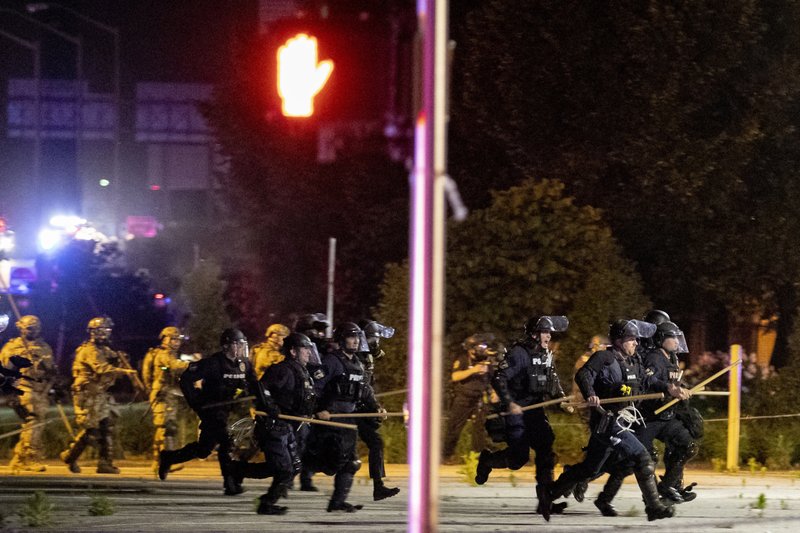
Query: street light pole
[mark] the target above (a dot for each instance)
(34, 47)
(116, 173)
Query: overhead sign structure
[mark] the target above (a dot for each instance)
(300, 76)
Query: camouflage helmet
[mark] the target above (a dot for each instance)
(277, 329)
(100, 322)
(170, 332)
(29, 323)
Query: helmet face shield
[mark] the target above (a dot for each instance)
(313, 358)
(670, 330)
(3, 322)
(640, 329)
(553, 324)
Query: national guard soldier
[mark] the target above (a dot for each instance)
(267, 353)
(339, 388)
(369, 428)
(209, 385)
(525, 377)
(95, 369)
(35, 386)
(161, 370)
(471, 383)
(292, 390)
(611, 373)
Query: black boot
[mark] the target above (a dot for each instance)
(232, 488)
(343, 506)
(70, 456)
(105, 461)
(669, 493)
(164, 463)
(266, 505)
(381, 491)
(545, 498)
(652, 503)
(483, 470)
(610, 490)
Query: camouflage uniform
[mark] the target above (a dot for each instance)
(33, 404)
(95, 369)
(267, 353)
(161, 370)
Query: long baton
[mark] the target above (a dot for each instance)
(65, 420)
(230, 402)
(312, 421)
(391, 393)
(365, 415)
(698, 386)
(621, 399)
(20, 430)
(534, 406)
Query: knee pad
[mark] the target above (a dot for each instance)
(644, 464)
(692, 451)
(351, 467)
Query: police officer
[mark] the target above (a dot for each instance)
(283, 443)
(223, 377)
(161, 369)
(267, 353)
(369, 428)
(471, 384)
(614, 372)
(315, 327)
(35, 386)
(95, 369)
(340, 387)
(525, 377)
(662, 362)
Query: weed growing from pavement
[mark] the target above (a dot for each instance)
(513, 479)
(37, 510)
(760, 503)
(101, 506)
(469, 468)
(784, 505)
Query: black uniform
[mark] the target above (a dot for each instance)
(339, 387)
(525, 377)
(291, 389)
(208, 381)
(667, 426)
(369, 428)
(607, 374)
(468, 400)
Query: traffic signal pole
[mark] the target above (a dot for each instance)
(427, 256)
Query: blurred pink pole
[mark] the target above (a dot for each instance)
(426, 302)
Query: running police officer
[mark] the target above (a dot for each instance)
(225, 376)
(525, 377)
(341, 386)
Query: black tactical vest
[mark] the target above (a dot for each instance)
(349, 384)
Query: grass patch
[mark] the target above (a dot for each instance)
(760, 503)
(101, 506)
(633, 512)
(37, 510)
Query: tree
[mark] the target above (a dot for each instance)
(685, 109)
(203, 292)
(532, 252)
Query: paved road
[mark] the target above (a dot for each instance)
(192, 500)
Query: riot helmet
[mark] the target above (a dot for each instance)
(667, 330)
(99, 329)
(630, 328)
(551, 324)
(347, 330)
(298, 341)
(374, 332)
(29, 327)
(656, 316)
(234, 344)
